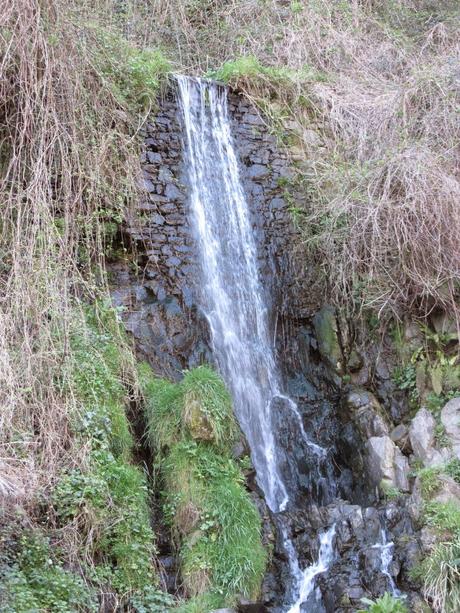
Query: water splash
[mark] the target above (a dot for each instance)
(305, 580)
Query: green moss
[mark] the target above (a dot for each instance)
(325, 323)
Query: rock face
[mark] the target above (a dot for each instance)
(367, 413)
(450, 418)
(158, 292)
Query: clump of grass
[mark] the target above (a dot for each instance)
(214, 522)
(249, 74)
(443, 516)
(452, 469)
(200, 406)
(219, 527)
(440, 573)
(429, 481)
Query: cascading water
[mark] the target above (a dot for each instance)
(386, 556)
(233, 301)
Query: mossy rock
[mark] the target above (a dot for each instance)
(198, 423)
(327, 335)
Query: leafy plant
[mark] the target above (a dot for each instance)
(38, 582)
(385, 604)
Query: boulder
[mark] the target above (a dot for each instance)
(386, 462)
(400, 436)
(450, 418)
(197, 421)
(422, 438)
(449, 491)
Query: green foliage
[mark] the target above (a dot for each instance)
(204, 602)
(429, 481)
(389, 491)
(444, 516)
(199, 406)
(38, 582)
(203, 387)
(206, 502)
(405, 378)
(99, 353)
(133, 75)
(217, 527)
(452, 469)
(385, 604)
(248, 68)
(108, 499)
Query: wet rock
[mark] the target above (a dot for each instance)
(172, 192)
(450, 418)
(258, 171)
(428, 538)
(326, 328)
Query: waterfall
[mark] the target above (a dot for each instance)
(233, 300)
